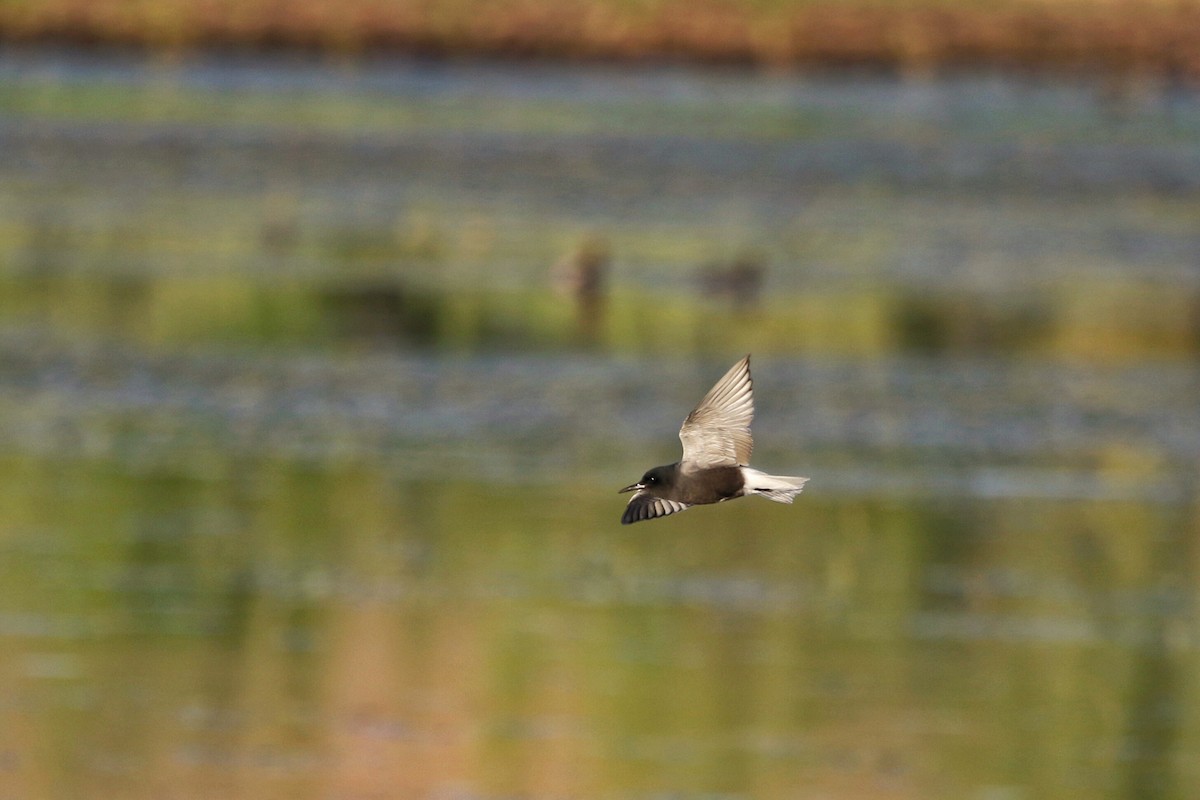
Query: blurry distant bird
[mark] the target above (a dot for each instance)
(740, 282)
(581, 273)
(581, 276)
(716, 453)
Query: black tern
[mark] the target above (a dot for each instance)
(716, 457)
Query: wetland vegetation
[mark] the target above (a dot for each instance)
(312, 418)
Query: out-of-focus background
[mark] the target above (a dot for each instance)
(329, 331)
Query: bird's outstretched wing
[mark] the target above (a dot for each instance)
(644, 505)
(717, 432)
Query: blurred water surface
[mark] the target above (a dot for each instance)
(311, 426)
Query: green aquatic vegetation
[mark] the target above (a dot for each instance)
(364, 113)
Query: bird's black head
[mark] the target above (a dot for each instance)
(655, 481)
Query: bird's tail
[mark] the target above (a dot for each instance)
(780, 488)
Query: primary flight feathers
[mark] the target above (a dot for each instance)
(717, 432)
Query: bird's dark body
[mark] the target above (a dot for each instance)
(670, 488)
(698, 487)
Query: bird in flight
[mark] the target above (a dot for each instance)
(716, 457)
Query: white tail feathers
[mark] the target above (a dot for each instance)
(780, 488)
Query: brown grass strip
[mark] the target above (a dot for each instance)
(1161, 36)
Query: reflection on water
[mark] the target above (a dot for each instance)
(317, 385)
(281, 630)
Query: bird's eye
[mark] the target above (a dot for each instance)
(651, 479)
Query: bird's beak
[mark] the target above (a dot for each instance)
(633, 487)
